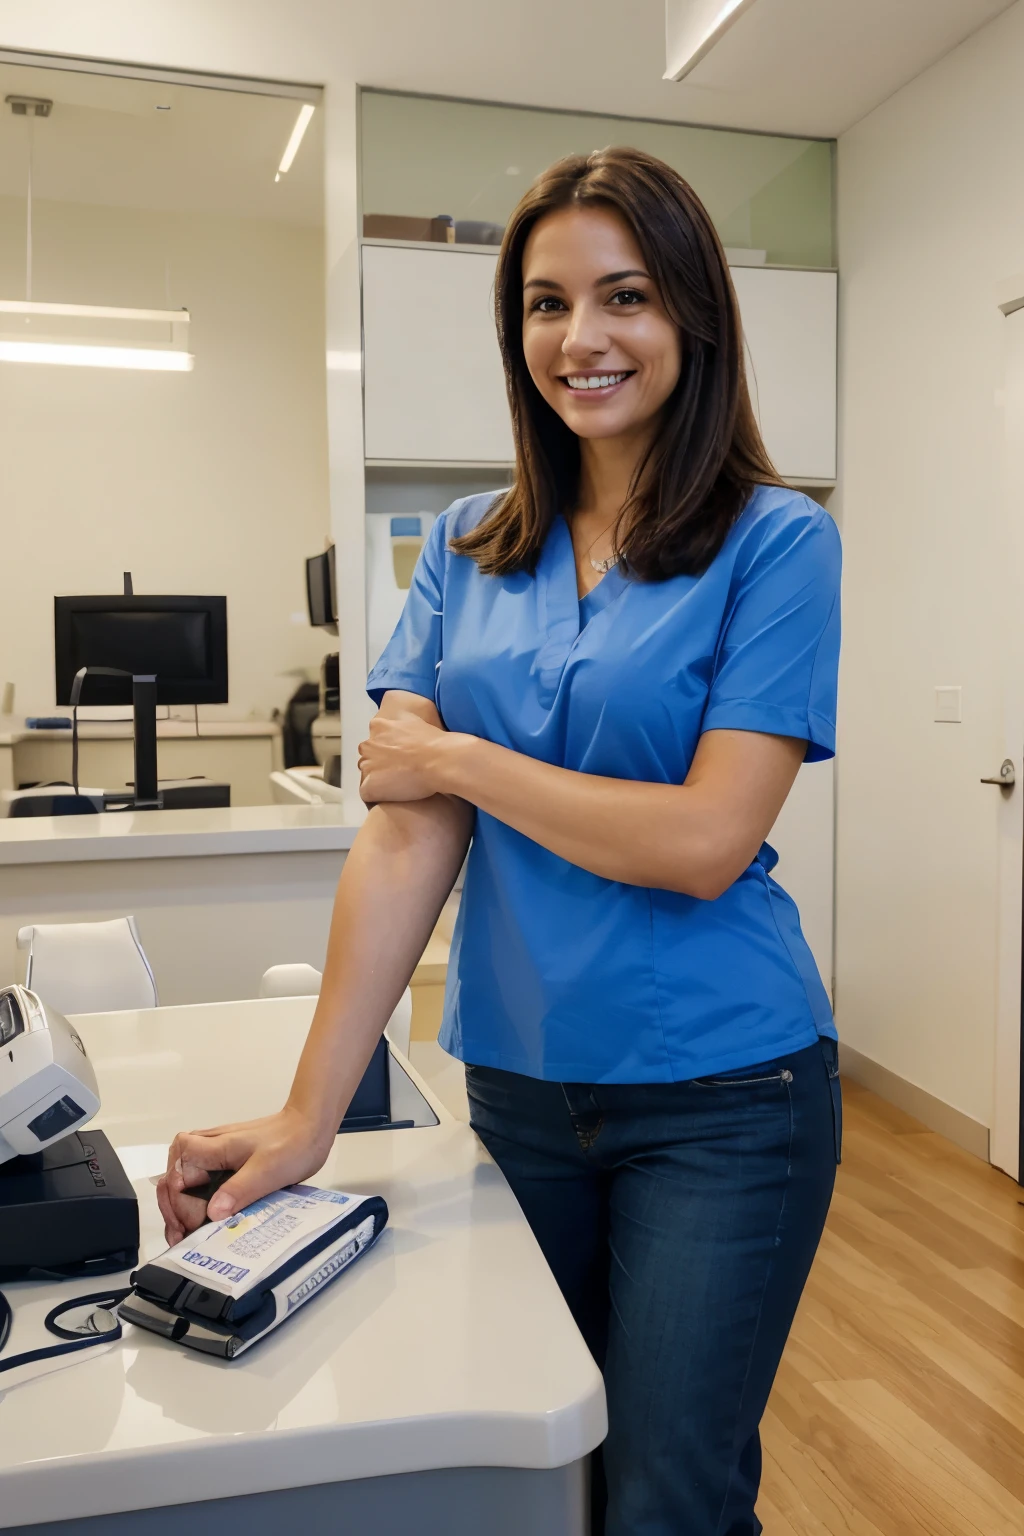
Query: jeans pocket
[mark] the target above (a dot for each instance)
(745, 1079)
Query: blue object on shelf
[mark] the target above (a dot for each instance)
(48, 723)
(406, 528)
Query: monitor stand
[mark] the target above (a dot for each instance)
(198, 794)
(147, 792)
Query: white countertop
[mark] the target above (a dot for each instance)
(173, 834)
(448, 1345)
(14, 730)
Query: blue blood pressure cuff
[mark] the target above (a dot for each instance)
(232, 1282)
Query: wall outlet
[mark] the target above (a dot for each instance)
(949, 703)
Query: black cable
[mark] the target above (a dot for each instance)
(76, 694)
(107, 1299)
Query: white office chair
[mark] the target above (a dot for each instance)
(291, 981)
(88, 967)
(304, 981)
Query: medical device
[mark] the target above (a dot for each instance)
(231, 1282)
(47, 1084)
(67, 1208)
(393, 546)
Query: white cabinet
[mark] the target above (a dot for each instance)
(435, 391)
(434, 384)
(789, 324)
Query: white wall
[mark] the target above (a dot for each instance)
(211, 481)
(931, 217)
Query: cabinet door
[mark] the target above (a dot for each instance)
(789, 322)
(434, 384)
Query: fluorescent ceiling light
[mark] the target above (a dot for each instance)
(692, 28)
(94, 311)
(157, 359)
(292, 147)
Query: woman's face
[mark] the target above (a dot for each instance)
(598, 342)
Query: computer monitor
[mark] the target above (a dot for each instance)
(322, 589)
(182, 641)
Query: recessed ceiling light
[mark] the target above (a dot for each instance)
(292, 147)
(692, 28)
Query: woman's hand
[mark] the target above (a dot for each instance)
(403, 758)
(266, 1155)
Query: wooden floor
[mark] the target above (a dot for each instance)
(899, 1406)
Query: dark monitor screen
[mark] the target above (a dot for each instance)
(321, 590)
(180, 640)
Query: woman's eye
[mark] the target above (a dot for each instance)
(548, 305)
(626, 297)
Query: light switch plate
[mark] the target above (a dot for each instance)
(949, 703)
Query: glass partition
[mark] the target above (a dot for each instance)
(434, 169)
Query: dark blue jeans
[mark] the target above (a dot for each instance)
(680, 1221)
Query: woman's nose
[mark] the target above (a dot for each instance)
(585, 335)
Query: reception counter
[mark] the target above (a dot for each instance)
(219, 895)
(439, 1387)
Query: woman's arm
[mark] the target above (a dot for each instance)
(695, 838)
(396, 878)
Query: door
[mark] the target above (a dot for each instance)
(1008, 1128)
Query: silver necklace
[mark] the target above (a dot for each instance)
(602, 566)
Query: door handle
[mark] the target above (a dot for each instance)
(1007, 777)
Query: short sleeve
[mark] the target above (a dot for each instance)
(413, 654)
(777, 665)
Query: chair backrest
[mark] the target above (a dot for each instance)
(291, 981)
(88, 967)
(304, 981)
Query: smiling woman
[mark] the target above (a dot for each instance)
(607, 678)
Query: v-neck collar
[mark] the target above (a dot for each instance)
(563, 614)
(597, 599)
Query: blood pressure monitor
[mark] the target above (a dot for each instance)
(47, 1084)
(66, 1205)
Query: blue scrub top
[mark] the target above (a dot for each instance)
(558, 973)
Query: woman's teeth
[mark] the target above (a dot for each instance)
(595, 380)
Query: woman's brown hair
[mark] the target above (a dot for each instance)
(701, 468)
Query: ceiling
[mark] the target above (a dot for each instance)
(110, 141)
(818, 66)
(810, 67)
(786, 66)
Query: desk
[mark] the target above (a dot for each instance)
(440, 1387)
(219, 895)
(241, 753)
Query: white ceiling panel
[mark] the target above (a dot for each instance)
(818, 66)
